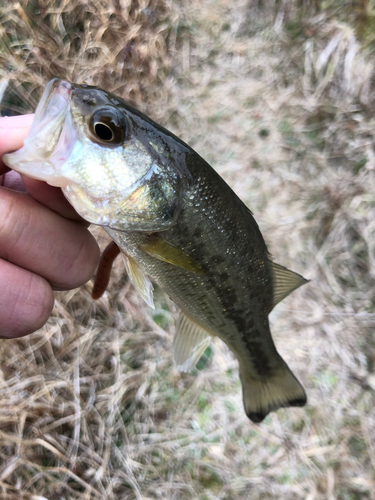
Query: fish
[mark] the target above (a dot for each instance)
(177, 224)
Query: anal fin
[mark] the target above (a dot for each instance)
(141, 282)
(189, 343)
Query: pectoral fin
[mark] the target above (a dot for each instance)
(189, 343)
(162, 250)
(141, 282)
(284, 282)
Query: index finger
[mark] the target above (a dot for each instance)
(13, 131)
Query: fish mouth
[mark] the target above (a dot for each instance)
(54, 103)
(50, 136)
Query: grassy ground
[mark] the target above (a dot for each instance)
(279, 98)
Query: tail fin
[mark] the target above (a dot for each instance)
(261, 396)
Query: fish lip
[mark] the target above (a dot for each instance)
(52, 112)
(50, 102)
(54, 104)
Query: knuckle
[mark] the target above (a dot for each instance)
(6, 209)
(13, 221)
(26, 302)
(80, 261)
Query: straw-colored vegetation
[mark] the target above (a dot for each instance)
(279, 97)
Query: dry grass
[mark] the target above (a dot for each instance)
(122, 45)
(279, 97)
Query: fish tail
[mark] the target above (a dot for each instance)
(263, 395)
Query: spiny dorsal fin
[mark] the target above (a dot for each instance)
(284, 282)
(162, 250)
(189, 343)
(141, 282)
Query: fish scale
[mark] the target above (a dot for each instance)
(177, 223)
(234, 312)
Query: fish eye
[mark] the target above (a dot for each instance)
(103, 131)
(108, 127)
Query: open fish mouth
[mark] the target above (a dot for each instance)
(51, 136)
(52, 106)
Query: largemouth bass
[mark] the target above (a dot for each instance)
(177, 223)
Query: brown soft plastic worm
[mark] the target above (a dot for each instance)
(104, 270)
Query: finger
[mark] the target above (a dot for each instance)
(52, 197)
(26, 301)
(62, 251)
(13, 180)
(13, 131)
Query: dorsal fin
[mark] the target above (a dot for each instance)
(284, 282)
(189, 343)
(141, 282)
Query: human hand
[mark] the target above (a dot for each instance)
(44, 243)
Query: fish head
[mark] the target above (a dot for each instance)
(115, 165)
